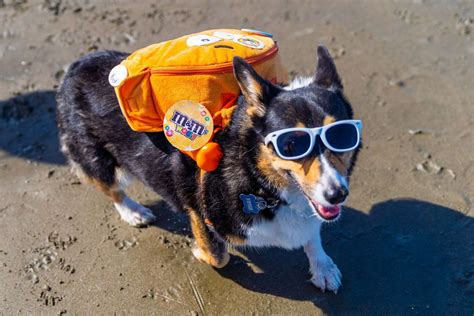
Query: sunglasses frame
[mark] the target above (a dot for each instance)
(313, 132)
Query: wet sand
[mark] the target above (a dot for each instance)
(405, 241)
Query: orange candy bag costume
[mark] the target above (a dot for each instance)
(196, 68)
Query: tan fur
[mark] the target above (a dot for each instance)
(203, 243)
(235, 240)
(328, 120)
(300, 125)
(307, 170)
(265, 165)
(255, 109)
(253, 93)
(114, 191)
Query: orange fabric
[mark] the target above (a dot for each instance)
(209, 156)
(162, 74)
(222, 117)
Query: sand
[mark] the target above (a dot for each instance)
(405, 241)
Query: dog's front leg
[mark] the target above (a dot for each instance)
(324, 272)
(208, 246)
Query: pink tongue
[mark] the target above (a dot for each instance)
(330, 211)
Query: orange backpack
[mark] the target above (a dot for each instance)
(197, 68)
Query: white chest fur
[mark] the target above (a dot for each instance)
(292, 227)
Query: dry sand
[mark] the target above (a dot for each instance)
(404, 244)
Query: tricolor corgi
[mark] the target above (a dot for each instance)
(288, 153)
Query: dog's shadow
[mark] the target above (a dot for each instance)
(28, 127)
(169, 219)
(406, 256)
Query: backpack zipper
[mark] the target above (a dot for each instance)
(221, 68)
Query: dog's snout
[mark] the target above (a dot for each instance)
(336, 195)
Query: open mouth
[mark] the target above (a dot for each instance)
(327, 212)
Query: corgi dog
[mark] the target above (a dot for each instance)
(288, 153)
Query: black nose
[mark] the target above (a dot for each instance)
(336, 195)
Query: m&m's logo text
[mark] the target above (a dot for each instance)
(188, 127)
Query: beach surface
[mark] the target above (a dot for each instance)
(404, 244)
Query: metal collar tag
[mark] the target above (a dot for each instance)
(254, 204)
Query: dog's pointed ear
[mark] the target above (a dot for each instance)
(326, 74)
(256, 90)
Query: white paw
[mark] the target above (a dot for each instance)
(199, 254)
(325, 274)
(133, 213)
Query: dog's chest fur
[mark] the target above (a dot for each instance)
(293, 226)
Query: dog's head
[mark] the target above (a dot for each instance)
(322, 176)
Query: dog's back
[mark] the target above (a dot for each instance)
(98, 142)
(83, 98)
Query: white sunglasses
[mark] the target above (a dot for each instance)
(295, 143)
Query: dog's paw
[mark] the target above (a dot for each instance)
(208, 258)
(134, 213)
(325, 274)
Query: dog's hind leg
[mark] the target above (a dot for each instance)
(130, 211)
(100, 169)
(208, 247)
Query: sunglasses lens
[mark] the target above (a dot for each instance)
(342, 136)
(293, 144)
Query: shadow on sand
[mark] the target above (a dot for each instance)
(406, 256)
(28, 127)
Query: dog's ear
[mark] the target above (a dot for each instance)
(326, 74)
(257, 91)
